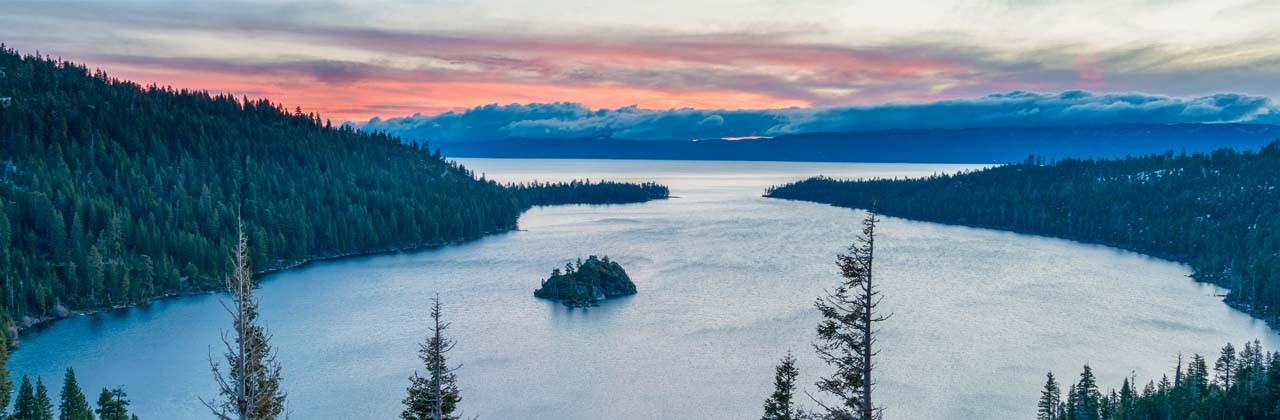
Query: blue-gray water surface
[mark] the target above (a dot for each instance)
(726, 281)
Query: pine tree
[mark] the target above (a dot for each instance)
(6, 386)
(74, 405)
(25, 406)
(780, 405)
(1272, 402)
(1072, 405)
(1050, 399)
(422, 402)
(1226, 366)
(43, 407)
(1250, 367)
(1127, 396)
(1198, 377)
(250, 387)
(1087, 396)
(847, 332)
(112, 405)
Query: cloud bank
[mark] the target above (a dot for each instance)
(350, 60)
(1014, 109)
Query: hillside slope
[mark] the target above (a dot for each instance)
(1218, 212)
(113, 193)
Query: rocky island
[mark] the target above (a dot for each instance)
(586, 283)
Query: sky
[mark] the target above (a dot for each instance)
(355, 60)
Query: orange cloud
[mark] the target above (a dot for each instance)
(362, 99)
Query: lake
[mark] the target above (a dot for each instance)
(727, 281)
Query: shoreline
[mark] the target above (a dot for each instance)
(48, 321)
(1195, 275)
(45, 322)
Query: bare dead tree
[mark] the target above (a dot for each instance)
(250, 387)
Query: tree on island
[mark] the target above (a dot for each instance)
(250, 387)
(847, 333)
(586, 283)
(436, 396)
(781, 405)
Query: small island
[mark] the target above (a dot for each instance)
(586, 283)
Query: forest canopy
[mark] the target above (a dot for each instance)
(587, 192)
(1218, 212)
(112, 193)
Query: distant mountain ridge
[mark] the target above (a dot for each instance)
(967, 145)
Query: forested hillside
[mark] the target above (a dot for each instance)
(1219, 212)
(112, 193)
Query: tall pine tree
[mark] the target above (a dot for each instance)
(434, 397)
(846, 336)
(1198, 377)
(43, 406)
(1226, 366)
(24, 408)
(250, 387)
(781, 405)
(1088, 398)
(73, 405)
(1050, 399)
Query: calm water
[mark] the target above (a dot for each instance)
(726, 280)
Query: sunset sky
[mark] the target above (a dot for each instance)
(354, 60)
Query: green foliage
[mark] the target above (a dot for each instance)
(43, 406)
(1254, 393)
(1050, 400)
(587, 192)
(1087, 404)
(74, 405)
(112, 193)
(847, 332)
(1218, 211)
(435, 396)
(587, 283)
(781, 404)
(249, 386)
(6, 386)
(24, 407)
(32, 403)
(112, 405)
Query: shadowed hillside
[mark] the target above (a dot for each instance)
(1218, 212)
(112, 193)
